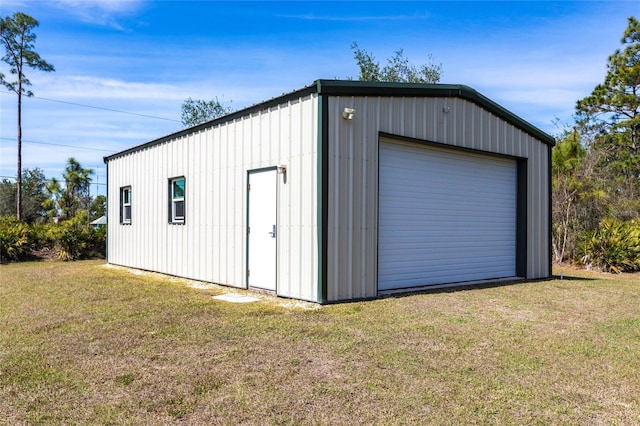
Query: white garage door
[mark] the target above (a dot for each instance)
(445, 216)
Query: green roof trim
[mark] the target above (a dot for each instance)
(361, 88)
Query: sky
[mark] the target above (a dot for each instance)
(124, 68)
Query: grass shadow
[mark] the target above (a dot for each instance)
(563, 277)
(459, 287)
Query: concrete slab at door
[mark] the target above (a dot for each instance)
(262, 233)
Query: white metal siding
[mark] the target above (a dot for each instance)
(445, 216)
(211, 245)
(353, 176)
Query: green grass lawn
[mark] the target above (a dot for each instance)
(84, 343)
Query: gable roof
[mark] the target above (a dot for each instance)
(368, 88)
(102, 220)
(364, 88)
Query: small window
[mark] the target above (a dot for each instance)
(176, 214)
(125, 205)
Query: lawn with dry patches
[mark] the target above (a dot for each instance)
(81, 343)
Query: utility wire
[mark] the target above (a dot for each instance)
(101, 108)
(59, 144)
(14, 178)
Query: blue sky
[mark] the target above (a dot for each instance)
(146, 57)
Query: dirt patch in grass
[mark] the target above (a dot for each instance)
(84, 343)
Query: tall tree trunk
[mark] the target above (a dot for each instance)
(634, 137)
(634, 127)
(19, 185)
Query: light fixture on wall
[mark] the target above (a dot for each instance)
(348, 113)
(282, 169)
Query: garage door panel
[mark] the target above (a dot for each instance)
(440, 244)
(439, 275)
(417, 280)
(445, 255)
(467, 231)
(444, 216)
(440, 272)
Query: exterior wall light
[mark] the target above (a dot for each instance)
(348, 113)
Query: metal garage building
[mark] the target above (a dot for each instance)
(341, 190)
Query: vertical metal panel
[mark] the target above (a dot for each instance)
(353, 176)
(210, 245)
(538, 221)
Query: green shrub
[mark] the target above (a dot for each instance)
(71, 239)
(15, 238)
(74, 237)
(614, 246)
(99, 248)
(42, 235)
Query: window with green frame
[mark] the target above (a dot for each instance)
(176, 200)
(125, 205)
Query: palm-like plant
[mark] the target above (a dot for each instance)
(75, 196)
(77, 186)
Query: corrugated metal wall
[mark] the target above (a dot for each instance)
(211, 245)
(353, 176)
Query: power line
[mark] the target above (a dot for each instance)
(59, 144)
(14, 178)
(101, 108)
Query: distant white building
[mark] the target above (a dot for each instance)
(102, 220)
(341, 190)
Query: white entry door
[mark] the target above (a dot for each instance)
(262, 229)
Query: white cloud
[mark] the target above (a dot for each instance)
(101, 12)
(88, 87)
(539, 85)
(112, 6)
(14, 4)
(48, 124)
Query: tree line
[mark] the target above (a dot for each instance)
(52, 200)
(596, 169)
(55, 216)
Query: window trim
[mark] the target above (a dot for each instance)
(173, 201)
(125, 190)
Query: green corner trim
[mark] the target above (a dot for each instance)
(323, 195)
